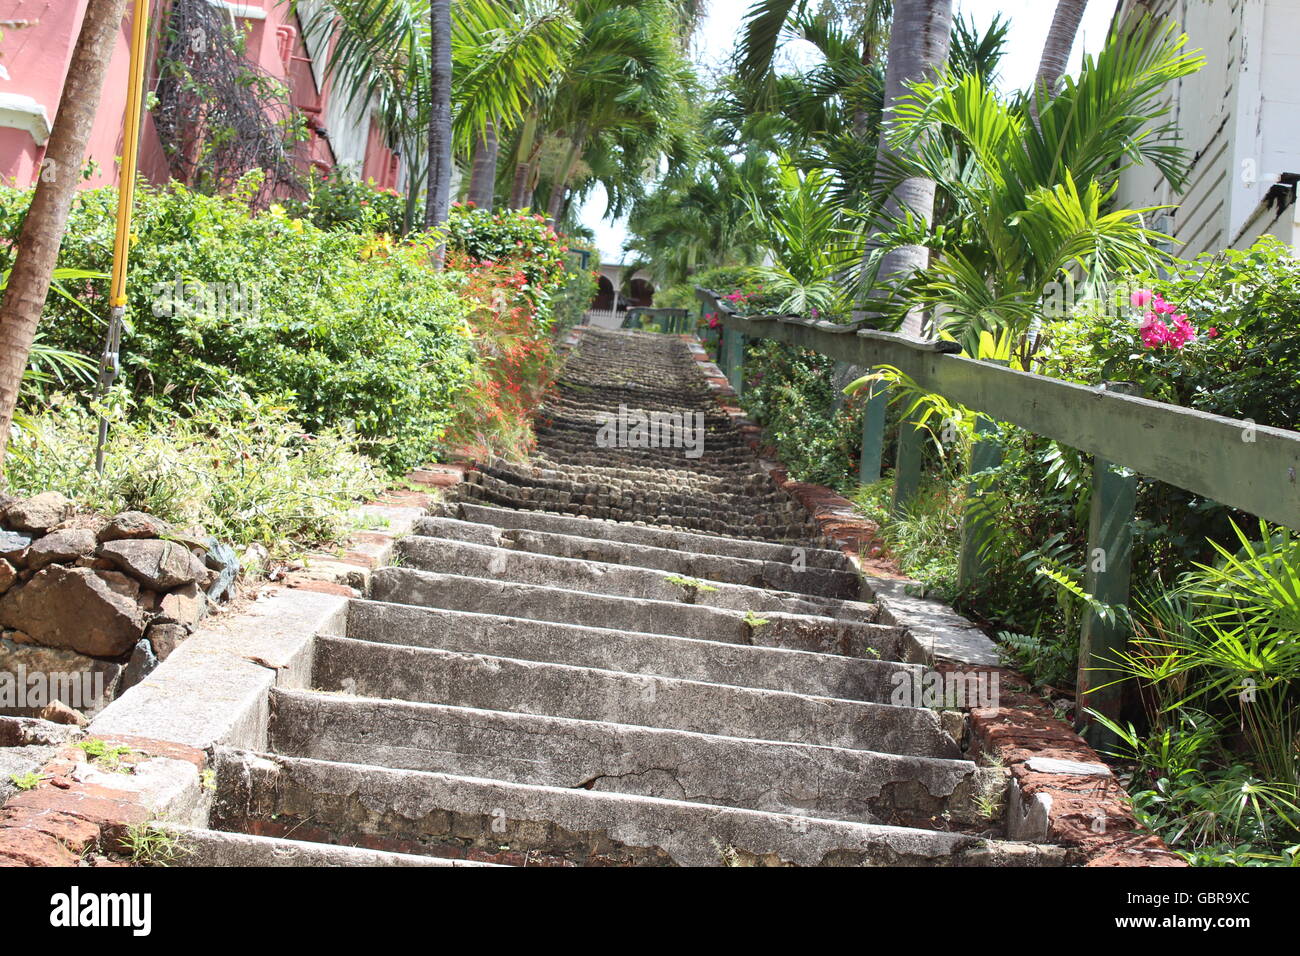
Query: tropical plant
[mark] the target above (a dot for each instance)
(815, 247)
(381, 56)
(616, 109)
(1029, 202)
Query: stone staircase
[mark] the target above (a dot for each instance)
(612, 656)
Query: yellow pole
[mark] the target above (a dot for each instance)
(109, 363)
(130, 150)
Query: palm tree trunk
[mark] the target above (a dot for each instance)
(918, 48)
(561, 185)
(530, 147)
(483, 177)
(1060, 41)
(438, 196)
(47, 217)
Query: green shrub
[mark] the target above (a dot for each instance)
(337, 202)
(357, 331)
(578, 290)
(511, 235)
(724, 280)
(790, 392)
(243, 470)
(1245, 363)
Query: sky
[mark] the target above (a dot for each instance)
(1030, 20)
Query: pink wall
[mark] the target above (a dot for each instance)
(36, 58)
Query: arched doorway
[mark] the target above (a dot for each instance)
(641, 294)
(604, 300)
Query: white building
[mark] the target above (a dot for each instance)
(1240, 121)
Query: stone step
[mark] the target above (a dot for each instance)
(787, 575)
(198, 847)
(454, 816)
(452, 592)
(718, 662)
(828, 782)
(594, 577)
(649, 537)
(774, 519)
(482, 682)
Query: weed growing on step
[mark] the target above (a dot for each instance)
(105, 757)
(28, 781)
(690, 584)
(753, 620)
(152, 844)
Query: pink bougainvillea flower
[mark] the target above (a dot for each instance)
(1213, 332)
(1141, 298)
(1182, 333)
(712, 318)
(1153, 332)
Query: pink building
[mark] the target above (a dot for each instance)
(37, 45)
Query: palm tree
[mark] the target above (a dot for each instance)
(698, 216)
(382, 55)
(618, 103)
(813, 244)
(1030, 201)
(1060, 41)
(437, 201)
(918, 49)
(47, 217)
(483, 174)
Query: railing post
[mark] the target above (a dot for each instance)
(1106, 577)
(873, 433)
(907, 470)
(976, 530)
(735, 343)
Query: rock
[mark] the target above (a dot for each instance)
(94, 612)
(82, 683)
(164, 638)
(222, 559)
(18, 637)
(60, 713)
(7, 575)
(132, 526)
(255, 556)
(13, 545)
(62, 547)
(40, 513)
(162, 565)
(142, 662)
(186, 605)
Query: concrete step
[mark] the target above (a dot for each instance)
(454, 816)
(828, 782)
(717, 662)
(453, 592)
(788, 575)
(594, 577)
(483, 682)
(647, 536)
(198, 847)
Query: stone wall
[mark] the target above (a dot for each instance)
(89, 604)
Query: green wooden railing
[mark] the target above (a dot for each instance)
(670, 321)
(1231, 461)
